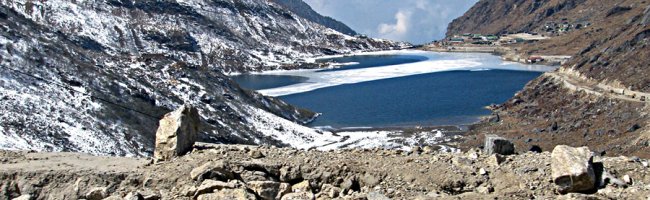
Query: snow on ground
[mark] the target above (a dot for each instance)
(302, 137)
(319, 80)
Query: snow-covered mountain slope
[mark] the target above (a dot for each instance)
(95, 76)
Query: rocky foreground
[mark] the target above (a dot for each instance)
(261, 172)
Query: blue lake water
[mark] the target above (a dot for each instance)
(445, 98)
(429, 99)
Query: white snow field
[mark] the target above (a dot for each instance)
(450, 62)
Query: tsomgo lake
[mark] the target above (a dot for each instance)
(397, 88)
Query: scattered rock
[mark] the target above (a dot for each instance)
(134, 196)
(208, 186)
(303, 186)
(290, 174)
(212, 169)
(299, 196)
(113, 197)
(634, 128)
(428, 149)
(284, 189)
(535, 149)
(150, 195)
(646, 17)
(350, 183)
(376, 196)
(627, 179)
(267, 190)
(255, 154)
(230, 194)
(607, 178)
(416, 149)
(97, 193)
(496, 159)
(248, 176)
(369, 180)
(494, 118)
(473, 155)
(177, 133)
(572, 169)
(485, 189)
(329, 191)
(482, 171)
(554, 126)
(498, 145)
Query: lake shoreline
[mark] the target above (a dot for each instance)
(506, 54)
(449, 128)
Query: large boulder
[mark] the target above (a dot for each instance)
(572, 169)
(177, 133)
(498, 145)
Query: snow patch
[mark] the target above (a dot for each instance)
(433, 64)
(302, 137)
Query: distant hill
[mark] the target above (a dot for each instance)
(608, 41)
(303, 10)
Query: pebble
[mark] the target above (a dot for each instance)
(627, 179)
(482, 171)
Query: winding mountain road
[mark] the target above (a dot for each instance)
(577, 83)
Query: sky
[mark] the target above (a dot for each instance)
(415, 21)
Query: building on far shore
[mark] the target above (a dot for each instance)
(456, 40)
(534, 59)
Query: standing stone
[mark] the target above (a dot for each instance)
(177, 133)
(498, 145)
(572, 169)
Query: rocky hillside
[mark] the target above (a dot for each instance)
(96, 76)
(609, 44)
(303, 10)
(250, 172)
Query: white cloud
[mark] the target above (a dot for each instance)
(416, 21)
(399, 29)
